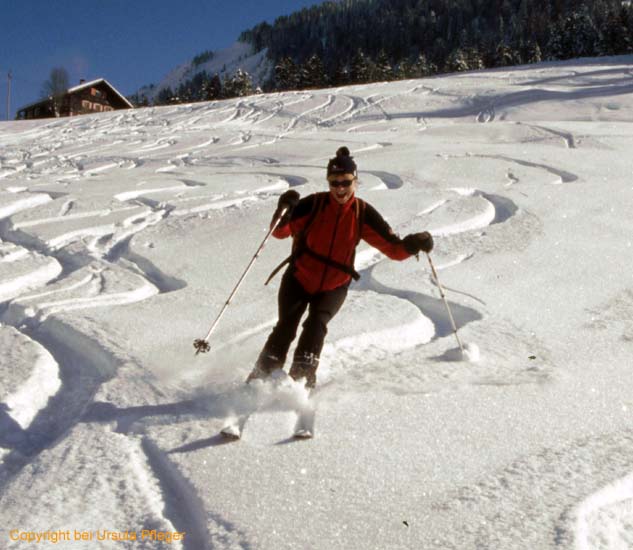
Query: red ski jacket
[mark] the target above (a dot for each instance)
(326, 235)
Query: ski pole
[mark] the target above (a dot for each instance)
(450, 315)
(202, 344)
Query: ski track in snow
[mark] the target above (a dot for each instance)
(568, 138)
(185, 509)
(28, 432)
(84, 256)
(76, 255)
(605, 518)
(578, 496)
(562, 176)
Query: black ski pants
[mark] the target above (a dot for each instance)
(293, 301)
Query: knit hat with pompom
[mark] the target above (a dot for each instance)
(342, 163)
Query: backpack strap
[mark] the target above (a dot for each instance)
(360, 218)
(278, 269)
(298, 241)
(318, 204)
(332, 263)
(300, 246)
(360, 221)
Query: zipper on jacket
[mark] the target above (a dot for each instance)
(329, 255)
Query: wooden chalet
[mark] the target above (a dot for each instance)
(96, 96)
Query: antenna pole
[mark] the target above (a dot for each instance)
(9, 77)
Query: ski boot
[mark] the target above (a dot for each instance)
(266, 364)
(305, 366)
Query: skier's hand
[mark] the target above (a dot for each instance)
(287, 201)
(418, 242)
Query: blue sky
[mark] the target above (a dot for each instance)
(131, 43)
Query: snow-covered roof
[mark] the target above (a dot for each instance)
(33, 104)
(94, 83)
(80, 87)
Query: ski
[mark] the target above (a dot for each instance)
(232, 431)
(306, 416)
(304, 409)
(302, 434)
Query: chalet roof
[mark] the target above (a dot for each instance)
(34, 103)
(80, 87)
(94, 83)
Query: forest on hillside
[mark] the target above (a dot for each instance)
(361, 41)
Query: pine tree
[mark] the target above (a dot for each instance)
(575, 36)
(312, 74)
(555, 47)
(584, 34)
(503, 55)
(382, 69)
(341, 76)
(142, 101)
(457, 61)
(214, 88)
(165, 96)
(184, 94)
(286, 75)
(238, 85)
(197, 86)
(615, 36)
(360, 68)
(422, 67)
(474, 59)
(404, 70)
(533, 53)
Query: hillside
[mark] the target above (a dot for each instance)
(224, 63)
(359, 41)
(122, 234)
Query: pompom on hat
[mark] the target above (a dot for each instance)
(342, 163)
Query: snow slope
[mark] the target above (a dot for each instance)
(225, 62)
(122, 234)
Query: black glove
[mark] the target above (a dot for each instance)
(418, 242)
(287, 201)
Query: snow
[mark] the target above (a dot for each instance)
(122, 234)
(224, 62)
(471, 352)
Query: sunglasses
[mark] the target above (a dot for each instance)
(341, 183)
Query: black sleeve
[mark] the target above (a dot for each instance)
(376, 222)
(377, 233)
(304, 207)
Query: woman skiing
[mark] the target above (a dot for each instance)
(326, 228)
